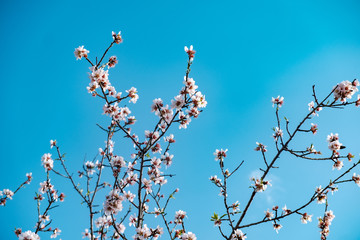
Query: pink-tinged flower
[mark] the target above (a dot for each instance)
(235, 206)
(29, 178)
(269, 215)
(142, 233)
(190, 87)
(157, 105)
(332, 137)
(260, 185)
(277, 227)
(193, 112)
(260, 147)
(44, 218)
(199, 100)
(188, 236)
(314, 128)
(217, 223)
(179, 216)
(312, 107)
(118, 162)
(158, 211)
(132, 220)
(321, 196)
(98, 77)
(215, 180)
(190, 52)
(29, 235)
(178, 103)
(286, 211)
(129, 196)
(132, 93)
(167, 159)
(147, 185)
(279, 101)
(152, 135)
(356, 179)
(52, 143)
(238, 235)
(90, 167)
(277, 133)
(7, 192)
(46, 186)
(220, 154)
(47, 161)
(113, 202)
(131, 120)
(184, 120)
(120, 228)
(338, 165)
(55, 233)
(334, 143)
(169, 138)
(156, 148)
(157, 232)
(305, 218)
(132, 178)
(112, 109)
(117, 37)
(112, 61)
(86, 234)
(345, 90)
(81, 52)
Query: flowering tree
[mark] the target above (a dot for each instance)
(136, 192)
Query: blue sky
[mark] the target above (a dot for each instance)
(247, 52)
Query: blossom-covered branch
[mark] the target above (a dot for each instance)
(341, 92)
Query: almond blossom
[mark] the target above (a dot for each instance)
(238, 235)
(260, 185)
(279, 101)
(47, 161)
(312, 108)
(117, 37)
(334, 144)
(188, 236)
(325, 222)
(306, 218)
(345, 90)
(81, 52)
(190, 52)
(179, 216)
(29, 235)
(338, 165)
(277, 227)
(269, 215)
(220, 154)
(356, 179)
(277, 133)
(133, 94)
(260, 147)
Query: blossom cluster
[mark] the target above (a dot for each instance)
(260, 185)
(345, 90)
(324, 224)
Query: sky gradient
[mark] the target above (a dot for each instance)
(247, 52)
